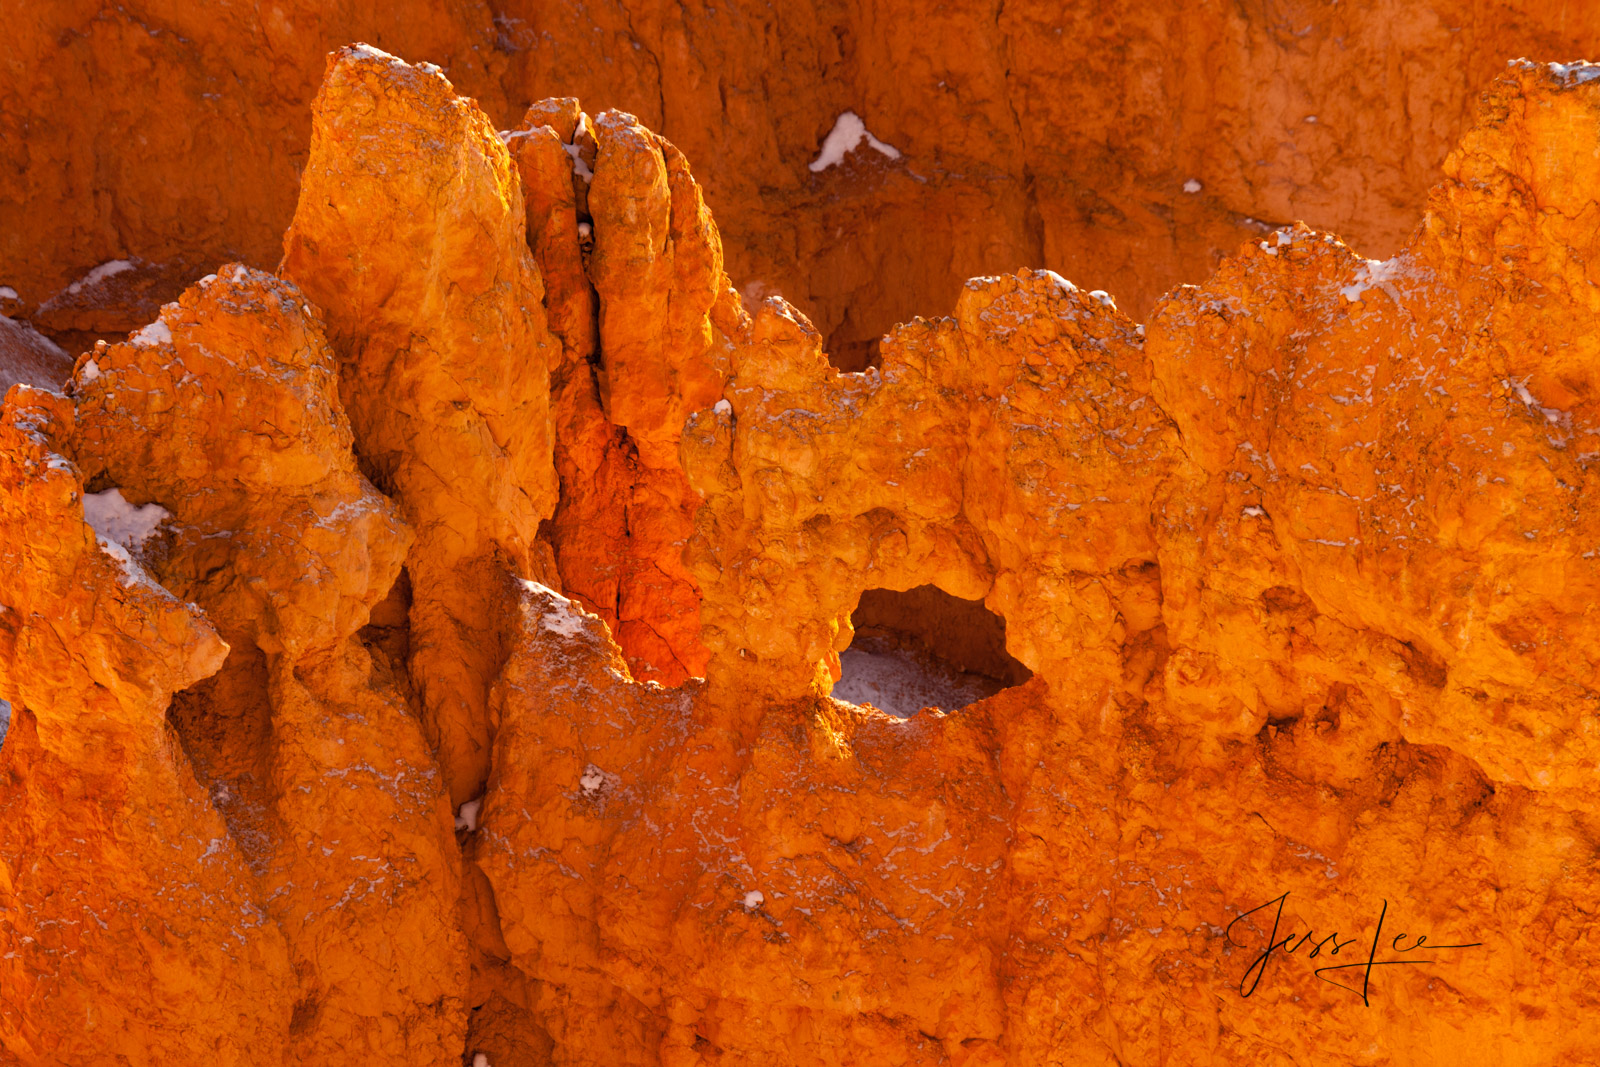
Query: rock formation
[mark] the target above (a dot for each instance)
(1032, 132)
(424, 651)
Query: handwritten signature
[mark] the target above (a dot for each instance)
(1290, 945)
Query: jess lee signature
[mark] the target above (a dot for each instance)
(1291, 944)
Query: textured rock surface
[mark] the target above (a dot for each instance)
(28, 357)
(633, 263)
(410, 236)
(133, 931)
(1298, 576)
(1034, 133)
(226, 411)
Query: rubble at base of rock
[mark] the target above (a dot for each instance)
(423, 652)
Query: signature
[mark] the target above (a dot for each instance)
(1290, 944)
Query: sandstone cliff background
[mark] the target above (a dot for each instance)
(1047, 134)
(425, 562)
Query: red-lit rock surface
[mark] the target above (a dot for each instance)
(1034, 132)
(1302, 568)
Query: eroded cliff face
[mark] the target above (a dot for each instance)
(168, 138)
(497, 503)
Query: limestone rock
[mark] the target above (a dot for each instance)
(444, 370)
(1035, 134)
(226, 412)
(30, 358)
(633, 264)
(131, 926)
(1298, 573)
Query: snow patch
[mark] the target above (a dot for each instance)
(565, 618)
(1192, 185)
(91, 371)
(847, 134)
(1575, 73)
(120, 523)
(592, 780)
(1062, 283)
(1373, 274)
(579, 167)
(754, 899)
(1552, 415)
(5, 719)
(1104, 297)
(480, 1060)
(901, 683)
(467, 816)
(7, 293)
(100, 274)
(1255, 512)
(722, 407)
(366, 51)
(154, 334)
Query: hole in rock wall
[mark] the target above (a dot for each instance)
(924, 649)
(851, 356)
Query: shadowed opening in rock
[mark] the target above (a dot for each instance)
(924, 648)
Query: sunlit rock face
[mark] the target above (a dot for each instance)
(489, 637)
(1127, 147)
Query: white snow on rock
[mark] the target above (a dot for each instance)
(1576, 73)
(7, 293)
(29, 357)
(566, 618)
(120, 523)
(579, 167)
(1062, 283)
(156, 333)
(1192, 186)
(5, 719)
(902, 683)
(722, 407)
(100, 274)
(480, 1060)
(847, 134)
(754, 899)
(467, 816)
(1373, 274)
(592, 780)
(367, 51)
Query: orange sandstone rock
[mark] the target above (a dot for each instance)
(444, 370)
(132, 930)
(226, 412)
(1225, 707)
(1302, 569)
(1033, 134)
(633, 263)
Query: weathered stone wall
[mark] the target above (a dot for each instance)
(1034, 133)
(496, 501)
